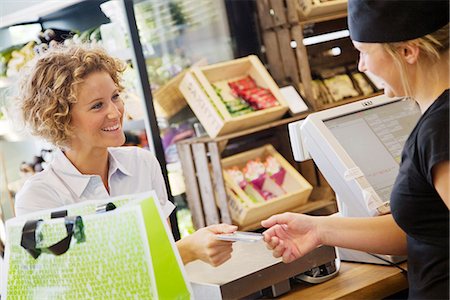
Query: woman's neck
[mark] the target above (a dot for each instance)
(90, 162)
(431, 82)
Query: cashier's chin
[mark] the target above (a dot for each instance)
(389, 92)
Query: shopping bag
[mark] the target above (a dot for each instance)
(108, 249)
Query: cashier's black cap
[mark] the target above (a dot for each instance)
(386, 21)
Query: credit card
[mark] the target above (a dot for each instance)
(240, 236)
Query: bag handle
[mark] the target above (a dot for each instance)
(74, 227)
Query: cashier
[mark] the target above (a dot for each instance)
(71, 97)
(405, 44)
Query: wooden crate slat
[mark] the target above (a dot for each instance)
(205, 184)
(265, 19)
(192, 192)
(291, 11)
(218, 182)
(273, 55)
(303, 63)
(211, 93)
(287, 54)
(197, 98)
(279, 12)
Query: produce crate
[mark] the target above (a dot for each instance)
(168, 99)
(285, 21)
(313, 8)
(243, 210)
(197, 88)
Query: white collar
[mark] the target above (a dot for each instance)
(74, 179)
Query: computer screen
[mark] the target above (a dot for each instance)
(374, 139)
(357, 147)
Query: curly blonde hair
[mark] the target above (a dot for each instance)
(47, 91)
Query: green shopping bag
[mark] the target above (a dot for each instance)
(118, 249)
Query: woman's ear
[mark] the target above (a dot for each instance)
(410, 52)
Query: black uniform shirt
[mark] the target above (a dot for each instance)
(417, 207)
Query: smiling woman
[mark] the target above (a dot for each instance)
(96, 118)
(70, 96)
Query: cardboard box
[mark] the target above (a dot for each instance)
(243, 210)
(197, 88)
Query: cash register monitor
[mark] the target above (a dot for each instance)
(357, 147)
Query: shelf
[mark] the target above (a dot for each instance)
(247, 131)
(324, 18)
(349, 100)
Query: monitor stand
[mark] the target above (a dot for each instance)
(360, 256)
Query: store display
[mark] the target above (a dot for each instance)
(5, 57)
(235, 106)
(267, 185)
(212, 91)
(257, 97)
(362, 83)
(303, 38)
(171, 135)
(340, 87)
(262, 181)
(18, 58)
(340, 83)
(167, 30)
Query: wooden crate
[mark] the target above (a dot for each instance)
(168, 99)
(243, 210)
(198, 91)
(313, 8)
(283, 22)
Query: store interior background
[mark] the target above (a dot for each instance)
(173, 34)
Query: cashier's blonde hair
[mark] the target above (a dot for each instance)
(47, 90)
(432, 47)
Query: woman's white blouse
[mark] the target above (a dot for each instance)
(131, 170)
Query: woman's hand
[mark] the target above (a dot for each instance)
(204, 245)
(291, 235)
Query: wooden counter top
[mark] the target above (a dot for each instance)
(355, 281)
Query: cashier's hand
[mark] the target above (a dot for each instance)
(290, 235)
(203, 245)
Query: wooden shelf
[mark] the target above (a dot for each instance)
(323, 18)
(241, 133)
(348, 100)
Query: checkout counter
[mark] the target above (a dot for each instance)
(253, 273)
